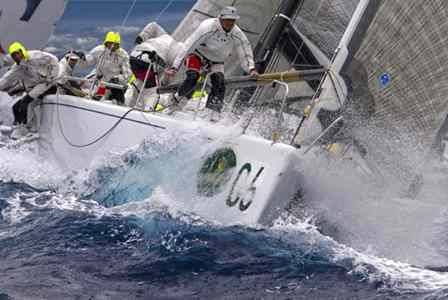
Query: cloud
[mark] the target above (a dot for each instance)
(60, 43)
(120, 29)
(51, 49)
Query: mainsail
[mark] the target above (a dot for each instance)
(29, 21)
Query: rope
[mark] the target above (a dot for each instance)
(128, 13)
(163, 10)
(96, 140)
(336, 85)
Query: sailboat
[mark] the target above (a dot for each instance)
(245, 179)
(249, 179)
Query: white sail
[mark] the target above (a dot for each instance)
(395, 68)
(396, 76)
(29, 21)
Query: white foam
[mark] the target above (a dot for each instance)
(394, 275)
(24, 165)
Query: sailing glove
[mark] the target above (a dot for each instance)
(138, 40)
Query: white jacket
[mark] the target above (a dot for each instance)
(64, 70)
(40, 67)
(152, 30)
(215, 44)
(165, 46)
(109, 64)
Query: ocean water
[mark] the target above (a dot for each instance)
(118, 231)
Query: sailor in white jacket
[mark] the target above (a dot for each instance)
(66, 68)
(156, 49)
(36, 71)
(209, 45)
(112, 64)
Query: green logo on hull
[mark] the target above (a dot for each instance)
(216, 172)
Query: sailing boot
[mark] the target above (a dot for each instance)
(19, 132)
(216, 98)
(215, 103)
(20, 109)
(177, 103)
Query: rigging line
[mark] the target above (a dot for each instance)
(128, 13)
(163, 10)
(253, 102)
(319, 7)
(96, 140)
(337, 84)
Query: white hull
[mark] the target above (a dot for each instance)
(81, 121)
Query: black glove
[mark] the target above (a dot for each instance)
(150, 54)
(114, 80)
(138, 40)
(80, 54)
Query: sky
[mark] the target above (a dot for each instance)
(85, 22)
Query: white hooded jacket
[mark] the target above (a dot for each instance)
(215, 44)
(152, 30)
(39, 68)
(64, 70)
(156, 39)
(109, 64)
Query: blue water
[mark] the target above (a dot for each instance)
(75, 237)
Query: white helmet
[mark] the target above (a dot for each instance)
(229, 13)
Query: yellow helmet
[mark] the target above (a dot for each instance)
(15, 47)
(112, 37)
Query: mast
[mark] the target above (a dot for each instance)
(266, 46)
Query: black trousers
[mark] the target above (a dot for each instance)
(216, 98)
(189, 84)
(20, 108)
(117, 94)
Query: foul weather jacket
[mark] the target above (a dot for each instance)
(36, 73)
(165, 46)
(156, 39)
(152, 30)
(215, 44)
(109, 64)
(64, 70)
